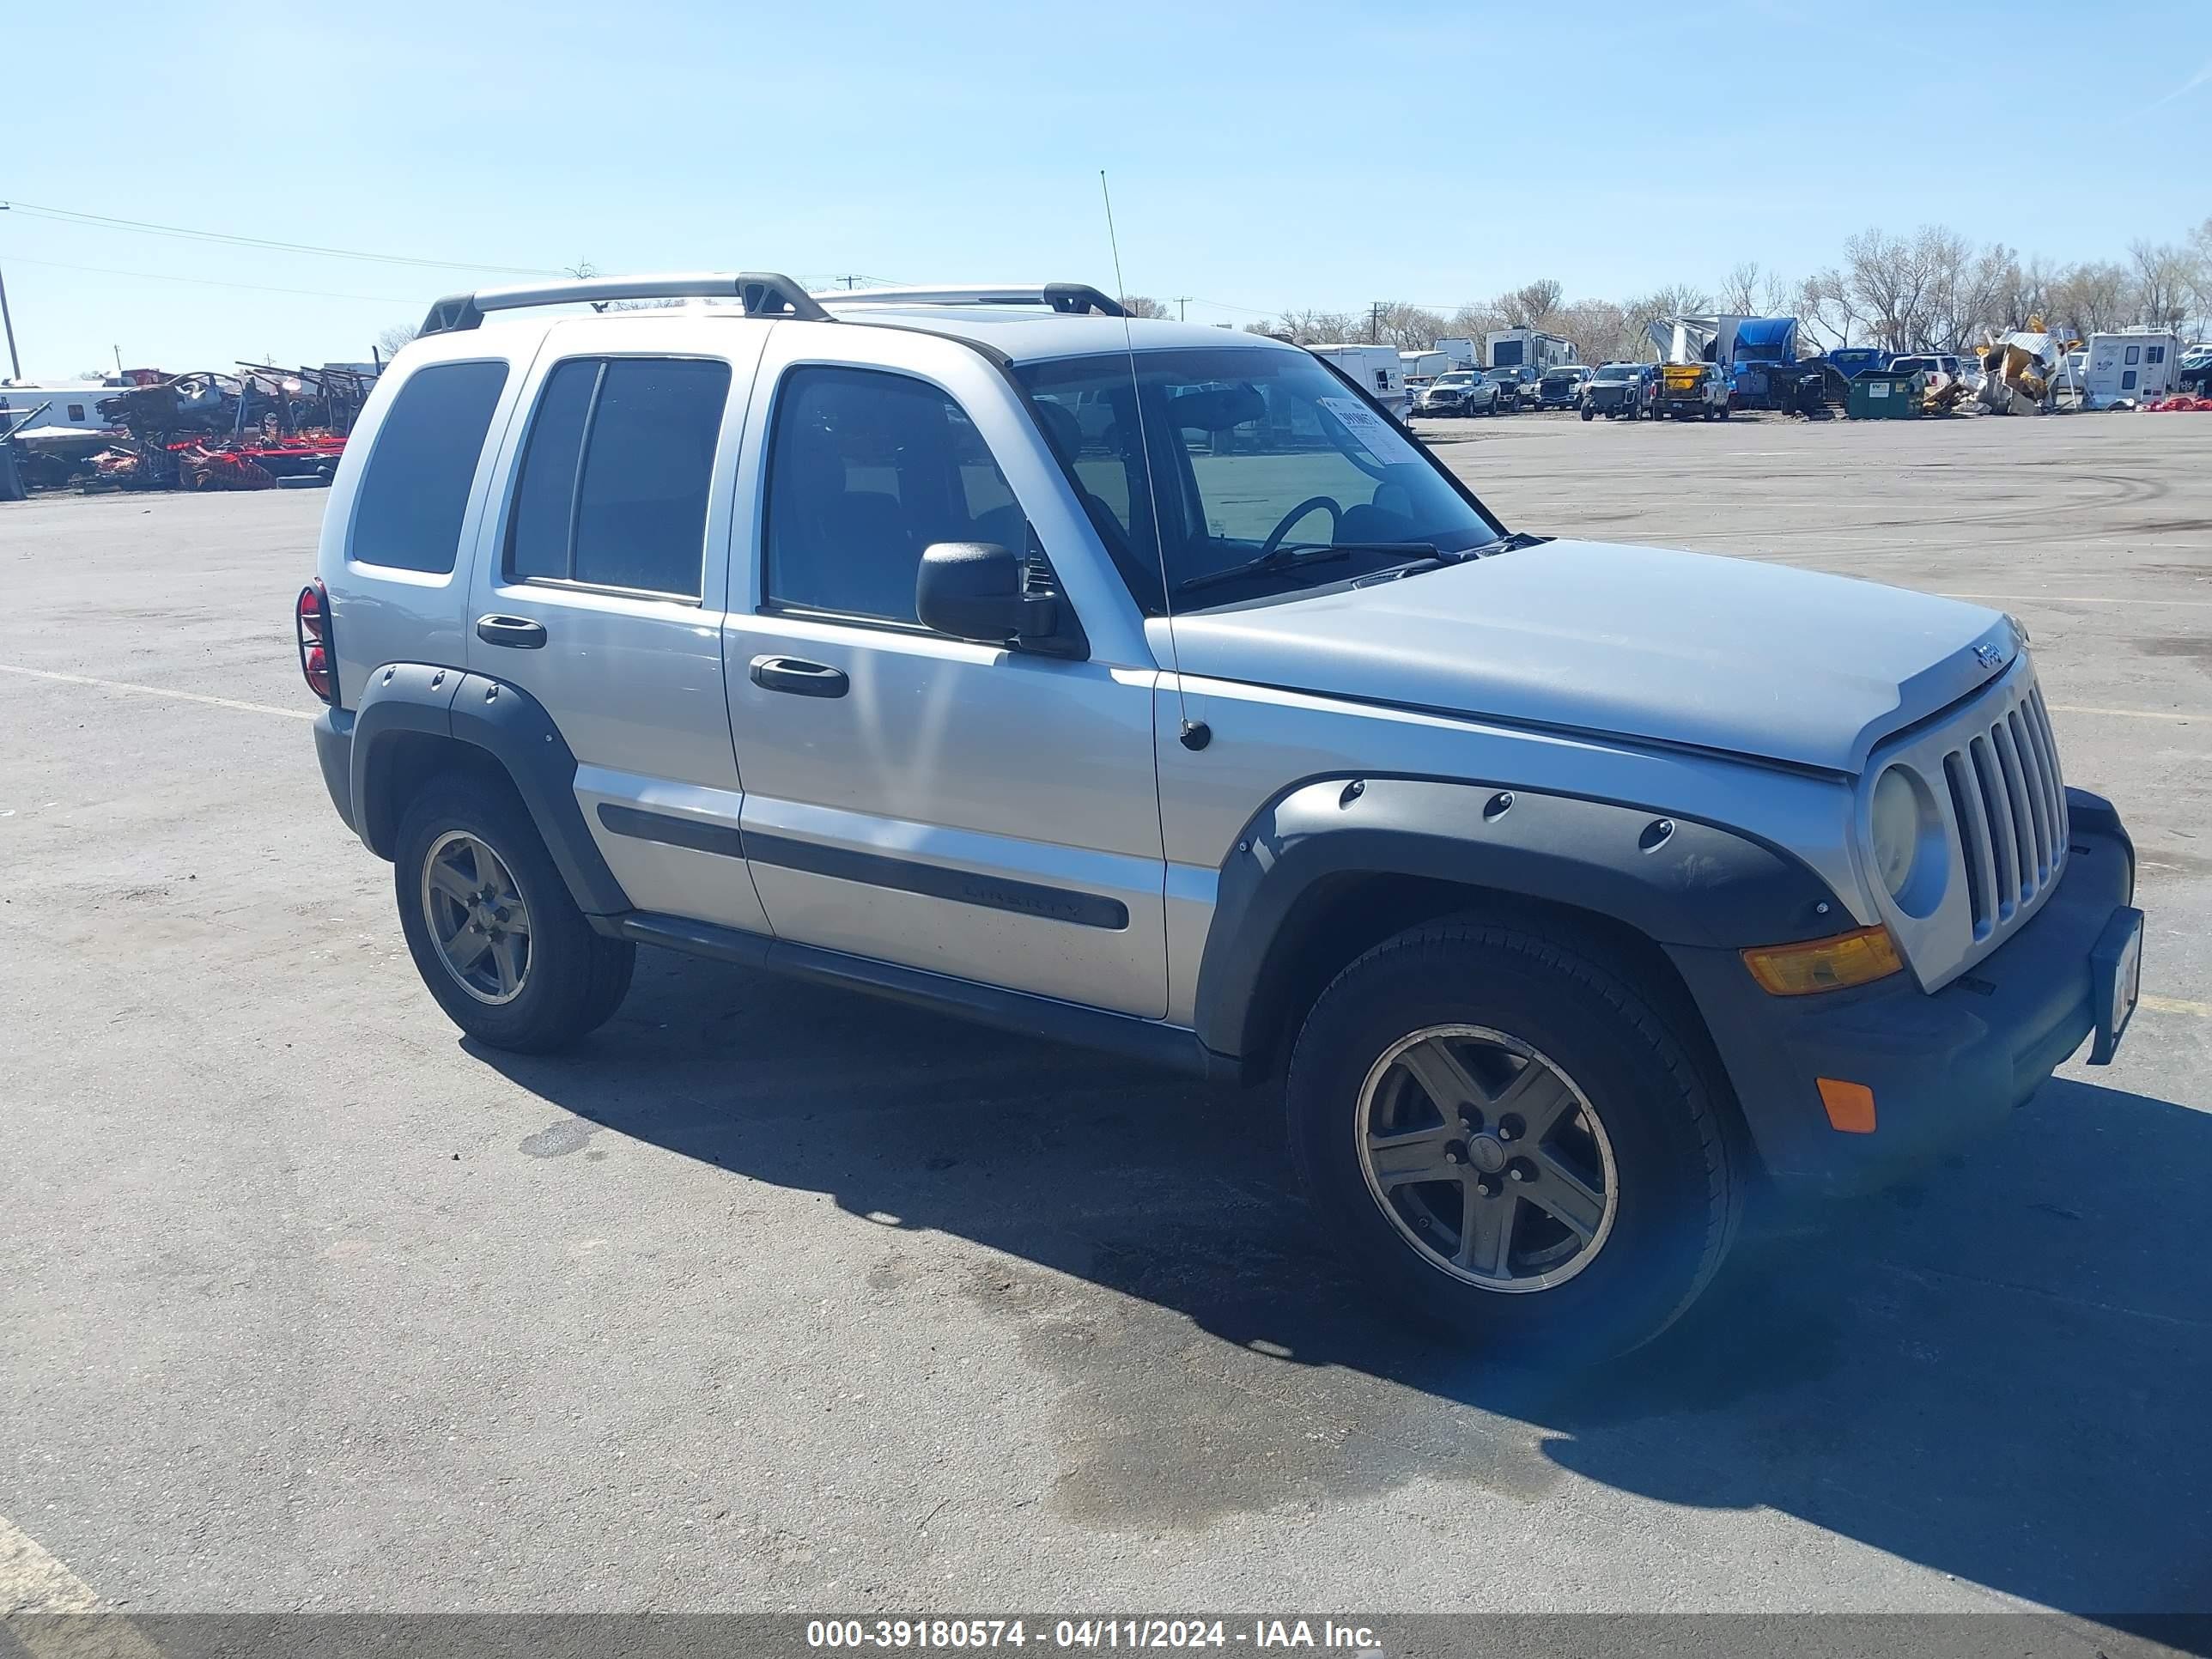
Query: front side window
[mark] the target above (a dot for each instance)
(1243, 452)
(408, 511)
(866, 470)
(2134, 354)
(617, 473)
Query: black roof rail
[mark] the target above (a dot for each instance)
(1069, 299)
(761, 294)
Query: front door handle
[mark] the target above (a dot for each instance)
(799, 677)
(519, 632)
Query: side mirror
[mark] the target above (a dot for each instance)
(973, 591)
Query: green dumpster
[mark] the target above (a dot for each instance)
(1881, 395)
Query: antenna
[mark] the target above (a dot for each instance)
(1194, 734)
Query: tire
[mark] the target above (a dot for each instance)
(1665, 1144)
(569, 979)
(1586, 414)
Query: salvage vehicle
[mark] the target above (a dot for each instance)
(1566, 889)
(1561, 386)
(1618, 391)
(1462, 392)
(1516, 386)
(1690, 392)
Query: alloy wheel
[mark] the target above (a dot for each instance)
(1487, 1157)
(477, 917)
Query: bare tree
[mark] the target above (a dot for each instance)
(1889, 278)
(1529, 306)
(1741, 292)
(1409, 327)
(2091, 298)
(1824, 303)
(2163, 282)
(1143, 305)
(1599, 329)
(389, 340)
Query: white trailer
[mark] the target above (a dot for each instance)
(1461, 353)
(1420, 367)
(2140, 362)
(1527, 348)
(1376, 368)
(71, 404)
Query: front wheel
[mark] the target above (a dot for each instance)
(1513, 1142)
(1586, 414)
(490, 924)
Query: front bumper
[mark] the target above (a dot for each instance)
(1944, 1069)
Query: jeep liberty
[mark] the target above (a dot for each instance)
(1145, 685)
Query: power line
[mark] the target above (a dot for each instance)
(140, 227)
(204, 281)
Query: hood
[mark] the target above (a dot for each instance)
(1721, 653)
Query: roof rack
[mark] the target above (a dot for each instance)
(762, 293)
(1069, 298)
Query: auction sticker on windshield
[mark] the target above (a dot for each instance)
(1371, 431)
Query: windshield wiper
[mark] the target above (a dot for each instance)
(1433, 559)
(1291, 556)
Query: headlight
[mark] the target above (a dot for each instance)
(1905, 832)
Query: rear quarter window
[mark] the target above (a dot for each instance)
(415, 490)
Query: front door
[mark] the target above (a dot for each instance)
(966, 809)
(598, 590)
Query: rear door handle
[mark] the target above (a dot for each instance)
(799, 677)
(519, 632)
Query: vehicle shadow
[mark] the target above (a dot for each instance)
(2004, 1375)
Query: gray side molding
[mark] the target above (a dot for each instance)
(1672, 879)
(507, 723)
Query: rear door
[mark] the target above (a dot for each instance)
(598, 585)
(971, 810)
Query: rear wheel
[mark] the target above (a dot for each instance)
(1516, 1145)
(490, 924)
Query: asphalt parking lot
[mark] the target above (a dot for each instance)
(774, 1297)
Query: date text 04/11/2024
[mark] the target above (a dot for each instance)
(1109, 1634)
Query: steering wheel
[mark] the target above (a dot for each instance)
(1275, 535)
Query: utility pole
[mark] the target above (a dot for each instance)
(1181, 301)
(7, 324)
(1375, 323)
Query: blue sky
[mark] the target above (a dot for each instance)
(1262, 156)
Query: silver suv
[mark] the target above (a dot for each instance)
(1145, 686)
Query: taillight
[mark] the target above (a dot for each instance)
(312, 617)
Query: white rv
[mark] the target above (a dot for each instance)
(1527, 348)
(72, 404)
(1377, 370)
(2142, 363)
(1461, 353)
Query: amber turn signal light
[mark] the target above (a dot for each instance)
(1824, 964)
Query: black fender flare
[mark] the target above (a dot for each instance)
(1675, 880)
(510, 725)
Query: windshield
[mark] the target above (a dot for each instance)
(1503, 376)
(1254, 450)
(1615, 372)
(1455, 379)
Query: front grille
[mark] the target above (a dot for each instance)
(2008, 807)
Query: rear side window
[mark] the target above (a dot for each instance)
(408, 513)
(614, 478)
